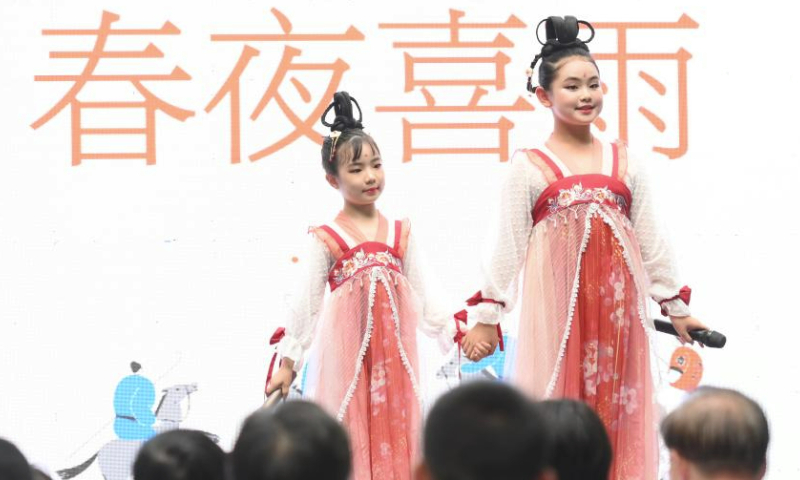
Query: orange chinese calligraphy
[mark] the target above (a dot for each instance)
(148, 102)
(288, 66)
(475, 83)
(622, 57)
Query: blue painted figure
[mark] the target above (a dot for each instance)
(133, 406)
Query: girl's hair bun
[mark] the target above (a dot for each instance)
(560, 34)
(342, 106)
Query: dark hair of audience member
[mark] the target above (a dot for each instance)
(293, 441)
(580, 447)
(13, 465)
(485, 430)
(180, 455)
(719, 431)
(39, 474)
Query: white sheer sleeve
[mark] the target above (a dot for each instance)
(657, 256)
(437, 320)
(307, 303)
(521, 189)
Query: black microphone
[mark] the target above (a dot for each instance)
(709, 338)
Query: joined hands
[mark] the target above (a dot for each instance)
(480, 341)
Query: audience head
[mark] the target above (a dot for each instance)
(13, 465)
(484, 430)
(180, 455)
(296, 440)
(40, 473)
(580, 448)
(717, 433)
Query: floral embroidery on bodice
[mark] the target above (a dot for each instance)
(578, 194)
(364, 256)
(567, 192)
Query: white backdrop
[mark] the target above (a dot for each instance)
(186, 265)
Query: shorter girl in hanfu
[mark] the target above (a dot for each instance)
(366, 367)
(578, 220)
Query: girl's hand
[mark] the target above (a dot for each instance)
(683, 325)
(480, 341)
(480, 351)
(282, 378)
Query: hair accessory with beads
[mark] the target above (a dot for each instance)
(334, 136)
(561, 33)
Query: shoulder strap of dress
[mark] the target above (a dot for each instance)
(620, 166)
(401, 230)
(331, 239)
(398, 231)
(382, 235)
(546, 164)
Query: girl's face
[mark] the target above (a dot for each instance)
(575, 95)
(361, 181)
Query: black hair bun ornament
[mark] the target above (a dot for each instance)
(563, 32)
(560, 33)
(342, 106)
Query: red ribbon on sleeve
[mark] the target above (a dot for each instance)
(276, 337)
(460, 317)
(684, 294)
(478, 298)
(500, 336)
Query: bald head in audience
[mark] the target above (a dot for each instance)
(717, 434)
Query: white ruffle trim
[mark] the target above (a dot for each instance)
(377, 275)
(594, 209)
(677, 308)
(647, 324)
(291, 348)
(572, 300)
(488, 313)
(656, 378)
(403, 356)
(361, 353)
(646, 321)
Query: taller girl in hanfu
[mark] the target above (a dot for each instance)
(577, 219)
(366, 369)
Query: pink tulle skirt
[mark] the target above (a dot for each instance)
(582, 334)
(607, 360)
(368, 371)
